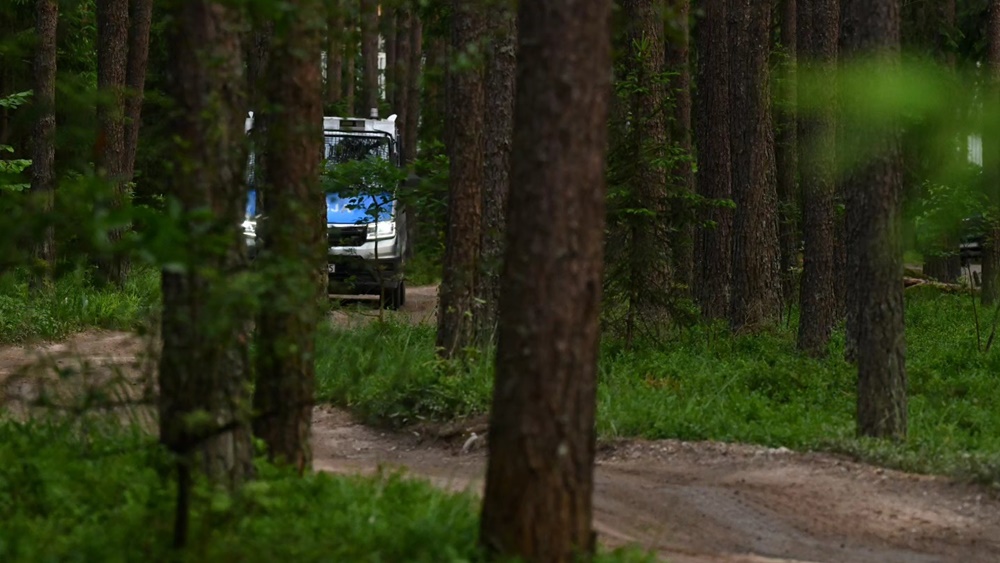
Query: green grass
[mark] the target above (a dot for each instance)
(72, 303)
(110, 497)
(703, 384)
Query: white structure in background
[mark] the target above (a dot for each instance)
(381, 67)
(975, 149)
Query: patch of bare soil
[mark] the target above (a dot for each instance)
(691, 502)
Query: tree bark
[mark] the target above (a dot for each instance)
(991, 165)
(818, 31)
(873, 217)
(293, 251)
(389, 24)
(401, 77)
(677, 61)
(413, 99)
(755, 301)
(457, 311)
(646, 275)
(112, 54)
(43, 142)
(501, 67)
(204, 402)
(351, 59)
(714, 179)
(141, 18)
(369, 56)
(335, 35)
(539, 484)
(786, 152)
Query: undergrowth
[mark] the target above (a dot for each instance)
(70, 496)
(73, 303)
(704, 384)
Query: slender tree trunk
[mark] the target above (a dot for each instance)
(991, 165)
(389, 23)
(369, 56)
(786, 152)
(401, 77)
(43, 142)
(678, 62)
(293, 251)
(714, 179)
(538, 501)
(458, 312)
(755, 301)
(413, 99)
(433, 108)
(818, 30)
(351, 60)
(112, 54)
(141, 18)
(499, 131)
(335, 35)
(873, 213)
(647, 274)
(204, 400)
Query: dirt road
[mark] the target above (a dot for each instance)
(689, 502)
(700, 502)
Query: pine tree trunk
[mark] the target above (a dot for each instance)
(714, 180)
(647, 252)
(335, 39)
(369, 56)
(413, 99)
(787, 153)
(538, 500)
(755, 301)
(43, 142)
(678, 62)
(351, 59)
(141, 19)
(499, 131)
(389, 25)
(203, 375)
(112, 55)
(873, 215)
(294, 250)
(457, 311)
(818, 27)
(991, 165)
(401, 77)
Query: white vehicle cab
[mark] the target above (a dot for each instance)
(366, 232)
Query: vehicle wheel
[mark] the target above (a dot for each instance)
(401, 290)
(390, 298)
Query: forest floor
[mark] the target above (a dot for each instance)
(686, 501)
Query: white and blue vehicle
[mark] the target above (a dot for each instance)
(366, 233)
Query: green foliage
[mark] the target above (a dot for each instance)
(72, 303)
(389, 373)
(704, 384)
(428, 203)
(105, 499)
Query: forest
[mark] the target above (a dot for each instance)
(489, 280)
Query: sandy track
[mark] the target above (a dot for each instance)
(693, 502)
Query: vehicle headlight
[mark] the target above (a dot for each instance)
(381, 230)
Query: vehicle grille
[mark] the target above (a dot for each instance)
(347, 236)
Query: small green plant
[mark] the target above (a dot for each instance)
(73, 303)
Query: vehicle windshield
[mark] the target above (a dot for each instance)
(344, 147)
